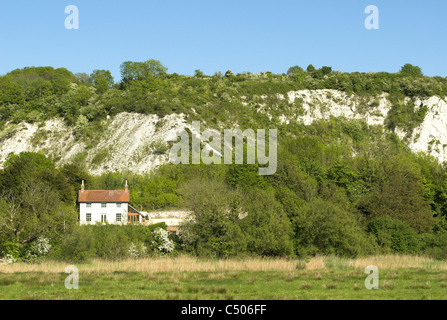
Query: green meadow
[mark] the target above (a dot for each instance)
(184, 278)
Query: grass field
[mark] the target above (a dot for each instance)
(400, 277)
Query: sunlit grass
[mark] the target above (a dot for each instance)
(401, 277)
(190, 264)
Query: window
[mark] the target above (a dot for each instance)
(89, 205)
(103, 205)
(118, 205)
(88, 217)
(118, 217)
(103, 218)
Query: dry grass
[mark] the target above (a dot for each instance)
(395, 262)
(190, 264)
(316, 263)
(154, 265)
(306, 286)
(387, 285)
(330, 286)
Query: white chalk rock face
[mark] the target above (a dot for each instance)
(431, 136)
(130, 140)
(126, 144)
(322, 104)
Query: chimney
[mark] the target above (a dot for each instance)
(126, 189)
(82, 186)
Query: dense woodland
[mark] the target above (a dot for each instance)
(342, 187)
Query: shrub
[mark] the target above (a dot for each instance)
(8, 259)
(434, 245)
(325, 228)
(100, 156)
(37, 249)
(81, 125)
(411, 70)
(162, 241)
(265, 226)
(213, 229)
(77, 246)
(159, 147)
(394, 235)
(136, 251)
(107, 242)
(9, 249)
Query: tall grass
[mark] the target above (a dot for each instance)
(190, 264)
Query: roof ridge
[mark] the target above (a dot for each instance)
(103, 196)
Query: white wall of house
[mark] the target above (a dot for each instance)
(97, 211)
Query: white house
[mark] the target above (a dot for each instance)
(106, 206)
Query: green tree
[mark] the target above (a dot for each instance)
(265, 225)
(294, 69)
(131, 71)
(83, 77)
(394, 235)
(311, 69)
(401, 198)
(409, 69)
(213, 229)
(229, 74)
(102, 80)
(325, 228)
(326, 70)
(198, 74)
(81, 126)
(35, 212)
(32, 167)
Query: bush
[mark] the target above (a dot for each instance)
(37, 249)
(159, 147)
(411, 70)
(100, 156)
(394, 235)
(325, 228)
(108, 242)
(214, 228)
(401, 197)
(265, 226)
(136, 250)
(77, 246)
(162, 242)
(9, 249)
(434, 245)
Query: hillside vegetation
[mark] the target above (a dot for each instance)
(350, 179)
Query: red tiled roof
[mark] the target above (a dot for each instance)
(103, 196)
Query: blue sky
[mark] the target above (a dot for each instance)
(210, 35)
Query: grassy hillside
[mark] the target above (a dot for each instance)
(346, 183)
